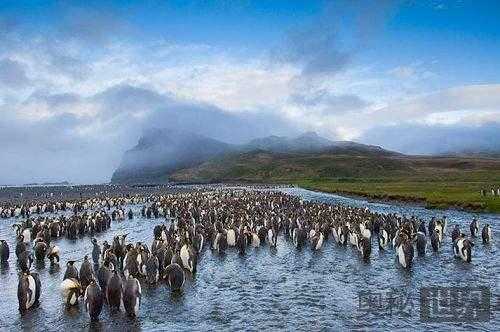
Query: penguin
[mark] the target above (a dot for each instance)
(132, 296)
(463, 249)
(152, 269)
(365, 248)
(93, 300)
(272, 237)
(28, 290)
(71, 271)
(486, 234)
(241, 241)
(441, 226)
(256, 240)
(299, 237)
(53, 254)
(474, 227)
(71, 290)
(175, 276)
(421, 243)
(231, 237)
(96, 252)
(86, 273)
(103, 275)
(40, 249)
(114, 291)
(4, 251)
(130, 214)
(317, 241)
(25, 261)
(435, 240)
(131, 263)
(189, 258)
(405, 253)
(383, 238)
(455, 233)
(20, 246)
(422, 228)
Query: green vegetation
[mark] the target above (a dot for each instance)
(434, 194)
(437, 182)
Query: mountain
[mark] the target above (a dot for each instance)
(311, 142)
(161, 154)
(162, 151)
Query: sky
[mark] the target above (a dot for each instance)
(81, 81)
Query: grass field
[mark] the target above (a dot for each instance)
(433, 194)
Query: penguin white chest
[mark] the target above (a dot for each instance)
(320, 242)
(401, 256)
(231, 238)
(185, 258)
(31, 295)
(255, 240)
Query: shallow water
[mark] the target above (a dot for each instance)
(282, 289)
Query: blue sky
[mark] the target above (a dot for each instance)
(86, 78)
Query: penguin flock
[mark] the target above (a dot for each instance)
(219, 220)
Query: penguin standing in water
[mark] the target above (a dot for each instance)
(20, 246)
(152, 269)
(93, 300)
(71, 290)
(421, 243)
(132, 296)
(474, 227)
(405, 253)
(486, 234)
(272, 236)
(175, 276)
(28, 290)
(86, 273)
(25, 261)
(71, 271)
(114, 291)
(241, 241)
(40, 249)
(96, 252)
(103, 275)
(455, 233)
(4, 251)
(463, 248)
(299, 237)
(317, 240)
(436, 244)
(365, 248)
(383, 238)
(189, 258)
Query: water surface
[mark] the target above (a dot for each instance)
(282, 289)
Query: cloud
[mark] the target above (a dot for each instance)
(12, 74)
(470, 99)
(436, 139)
(316, 50)
(329, 103)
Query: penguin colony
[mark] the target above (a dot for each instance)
(220, 220)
